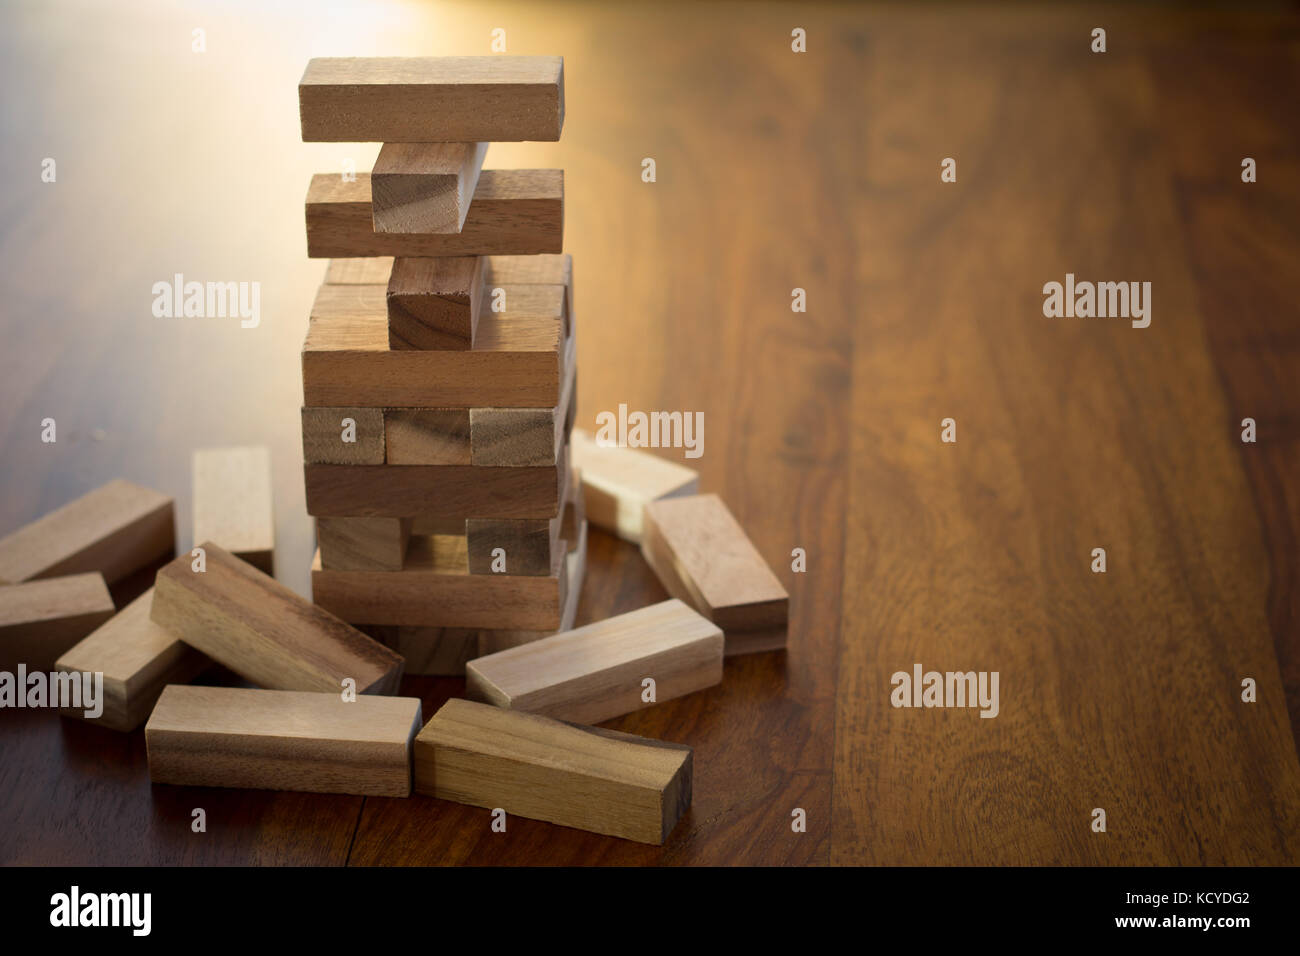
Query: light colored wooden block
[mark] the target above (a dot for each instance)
(324, 431)
(619, 482)
(363, 544)
(448, 99)
(232, 502)
(372, 270)
(264, 632)
(543, 769)
(434, 303)
(428, 436)
(282, 740)
(424, 187)
(556, 269)
(595, 673)
(519, 437)
(514, 212)
(702, 556)
(39, 620)
(430, 651)
(137, 658)
(115, 530)
(346, 359)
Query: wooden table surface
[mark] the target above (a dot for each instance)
(775, 170)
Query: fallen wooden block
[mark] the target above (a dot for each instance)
(498, 270)
(702, 556)
(434, 303)
(137, 658)
(452, 99)
(39, 620)
(429, 651)
(597, 672)
(282, 740)
(363, 544)
(115, 530)
(264, 632)
(424, 187)
(346, 361)
(514, 212)
(532, 766)
(232, 502)
(619, 482)
(343, 436)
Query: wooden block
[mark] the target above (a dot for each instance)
(434, 303)
(514, 212)
(232, 502)
(39, 620)
(373, 270)
(282, 740)
(115, 530)
(363, 544)
(424, 187)
(435, 589)
(702, 556)
(446, 99)
(324, 430)
(595, 673)
(137, 658)
(426, 525)
(529, 270)
(619, 482)
(428, 436)
(515, 363)
(532, 766)
(519, 437)
(529, 544)
(264, 632)
(430, 651)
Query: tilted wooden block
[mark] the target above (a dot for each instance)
(39, 620)
(282, 740)
(517, 437)
(424, 187)
(429, 651)
(232, 502)
(137, 658)
(702, 556)
(620, 482)
(532, 766)
(263, 631)
(115, 530)
(343, 436)
(346, 360)
(449, 99)
(595, 673)
(434, 303)
(428, 436)
(363, 544)
(514, 212)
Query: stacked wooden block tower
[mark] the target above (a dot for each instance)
(440, 361)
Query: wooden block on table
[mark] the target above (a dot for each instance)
(515, 363)
(519, 437)
(619, 482)
(116, 529)
(424, 187)
(702, 556)
(428, 436)
(363, 544)
(282, 740)
(232, 502)
(445, 99)
(264, 632)
(137, 658)
(324, 430)
(514, 212)
(39, 620)
(594, 673)
(434, 303)
(544, 769)
(429, 651)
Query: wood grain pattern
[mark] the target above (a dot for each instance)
(619, 482)
(593, 673)
(264, 632)
(531, 766)
(550, 269)
(514, 212)
(520, 437)
(434, 303)
(115, 530)
(346, 359)
(428, 436)
(424, 187)
(282, 740)
(233, 502)
(455, 99)
(324, 429)
(529, 544)
(363, 544)
(39, 620)
(137, 658)
(429, 651)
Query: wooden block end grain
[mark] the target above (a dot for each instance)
(39, 620)
(543, 769)
(424, 187)
(232, 502)
(282, 740)
(434, 303)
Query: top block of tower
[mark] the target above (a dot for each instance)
(449, 99)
